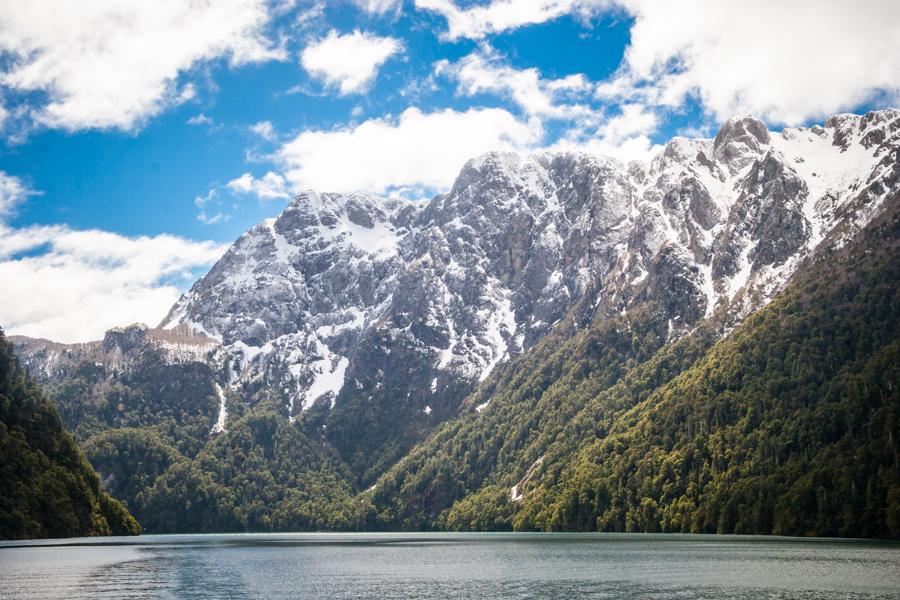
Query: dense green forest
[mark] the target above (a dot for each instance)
(177, 401)
(263, 474)
(788, 425)
(146, 429)
(47, 487)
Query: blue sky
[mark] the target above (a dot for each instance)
(165, 132)
(145, 181)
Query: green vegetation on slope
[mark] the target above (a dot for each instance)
(533, 402)
(789, 425)
(263, 474)
(178, 401)
(47, 488)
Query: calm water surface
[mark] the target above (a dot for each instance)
(449, 566)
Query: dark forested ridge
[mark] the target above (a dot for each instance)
(47, 487)
(788, 425)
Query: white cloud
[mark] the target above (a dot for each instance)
(264, 129)
(215, 207)
(348, 62)
(210, 205)
(785, 62)
(310, 15)
(633, 119)
(621, 132)
(270, 186)
(212, 219)
(500, 15)
(71, 285)
(379, 7)
(111, 64)
(13, 191)
(416, 150)
(484, 71)
(624, 136)
(199, 120)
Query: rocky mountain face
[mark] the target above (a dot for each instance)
(121, 348)
(383, 314)
(372, 319)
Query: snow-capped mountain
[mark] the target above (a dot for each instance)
(371, 319)
(355, 294)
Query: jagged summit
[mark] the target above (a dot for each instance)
(525, 237)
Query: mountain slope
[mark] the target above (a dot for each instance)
(376, 317)
(183, 455)
(47, 488)
(263, 474)
(500, 325)
(788, 426)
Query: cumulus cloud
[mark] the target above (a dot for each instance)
(786, 62)
(623, 132)
(414, 151)
(270, 186)
(497, 16)
(110, 64)
(13, 192)
(348, 62)
(625, 136)
(72, 285)
(485, 71)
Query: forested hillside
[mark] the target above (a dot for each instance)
(788, 425)
(147, 427)
(47, 487)
(264, 474)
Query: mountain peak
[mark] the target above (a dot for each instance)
(738, 127)
(739, 141)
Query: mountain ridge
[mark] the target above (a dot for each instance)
(487, 269)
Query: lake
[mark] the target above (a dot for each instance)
(440, 565)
